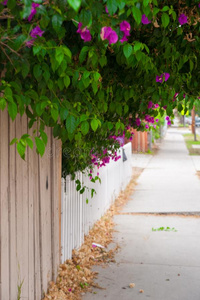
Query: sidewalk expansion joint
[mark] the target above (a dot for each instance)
(195, 214)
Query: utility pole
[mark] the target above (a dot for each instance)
(193, 123)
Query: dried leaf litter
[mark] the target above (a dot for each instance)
(75, 276)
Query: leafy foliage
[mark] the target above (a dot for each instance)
(89, 91)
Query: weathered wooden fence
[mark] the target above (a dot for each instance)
(29, 214)
(78, 216)
(140, 141)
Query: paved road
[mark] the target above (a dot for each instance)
(164, 265)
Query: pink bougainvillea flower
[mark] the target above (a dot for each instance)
(182, 19)
(169, 123)
(157, 120)
(150, 104)
(36, 32)
(167, 75)
(145, 20)
(199, 5)
(138, 122)
(33, 11)
(154, 126)
(146, 126)
(175, 96)
(69, 290)
(160, 78)
(30, 43)
(167, 118)
(84, 33)
(106, 9)
(120, 139)
(4, 2)
(124, 39)
(108, 34)
(125, 27)
(156, 105)
(165, 107)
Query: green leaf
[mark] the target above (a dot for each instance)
(137, 14)
(63, 113)
(145, 2)
(26, 8)
(85, 127)
(127, 50)
(21, 150)
(59, 55)
(103, 61)
(71, 124)
(94, 124)
(36, 49)
(66, 81)
(96, 76)
(137, 46)
(67, 52)
(112, 6)
(155, 11)
(165, 8)
(54, 114)
(165, 20)
(75, 4)
(83, 54)
(25, 69)
(94, 87)
(44, 136)
(87, 201)
(29, 143)
(12, 110)
(85, 17)
(37, 71)
(82, 190)
(2, 103)
(15, 140)
(40, 145)
(57, 22)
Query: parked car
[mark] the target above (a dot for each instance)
(188, 120)
(197, 121)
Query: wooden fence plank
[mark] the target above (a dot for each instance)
(19, 213)
(12, 213)
(56, 161)
(4, 225)
(32, 191)
(45, 217)
(25, 220)
(37, 229)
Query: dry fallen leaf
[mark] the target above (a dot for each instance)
(141, 291)
(75, 276)
(132, 285)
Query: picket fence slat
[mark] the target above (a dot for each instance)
(77, 216)
(30, 203)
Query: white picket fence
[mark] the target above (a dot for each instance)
(78, 216)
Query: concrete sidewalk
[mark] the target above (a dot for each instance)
(164, 265)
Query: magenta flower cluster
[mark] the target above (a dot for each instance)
(164, 76)
(35, 32)
(125, 27)
(182, 19)
(84, 33)
(145, 20)
(107, 33)
(168, 120)
(33, 11)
